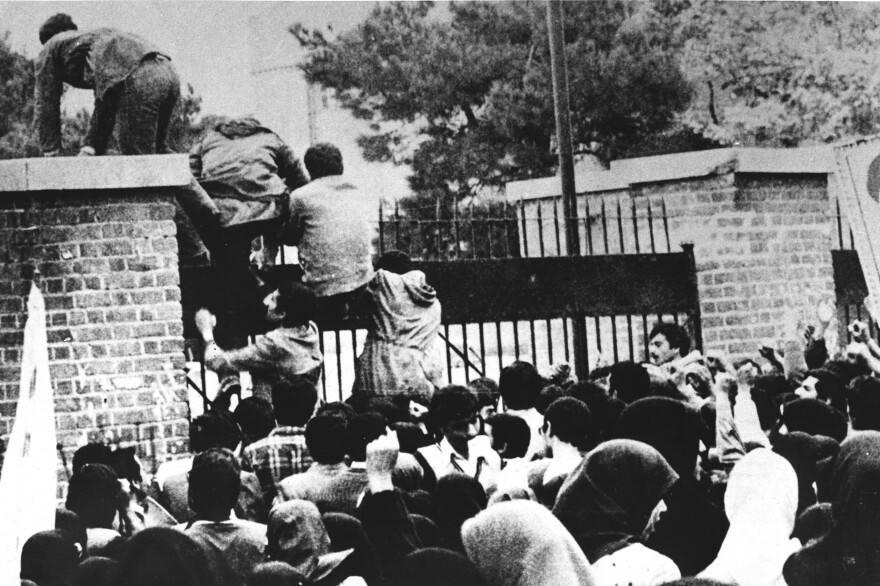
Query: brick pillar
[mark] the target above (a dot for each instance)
(98, 235)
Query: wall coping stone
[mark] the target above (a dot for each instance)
(625, 173)
(93, 173)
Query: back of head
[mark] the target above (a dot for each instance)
(275, 574)
(161, 555)
(214, 483)
(325, 439)
(298, 302)
(255, 417)
(434, 566)
(630, 381)
(362, 430)
(548, 395)
(72, 527)
(510, 435)
(338, 409)
(57, 23)
(96, 571)
(569, 419)
(91, 453)
(214, 429)
(395, 261)
(864, 403)
(768, 411)
(91, 494)
(49, 559)
(814, 417)
(322, 160)
(294, 402)
(450, 404)
(520, 385)
(830, 388)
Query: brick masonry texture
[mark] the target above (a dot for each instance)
(106, 262)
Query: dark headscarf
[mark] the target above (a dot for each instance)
(608, 499)
(457, 497)
(347, 532)
(435, 566)
(49, 558)
(669, 426)
(814, 417)
(804, 452)
(850, 552)
(296, 535)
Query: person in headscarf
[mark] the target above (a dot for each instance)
(761, 504)
(49, 558)
(609, 502)
(296, 535)
(848, 554)
(805, 453)
(400, 354)
(520, 543)
(434, 566)
(814, 417)
(691, 530)
(160, 555)
(456, 498)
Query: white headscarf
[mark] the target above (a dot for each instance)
(761, 504)
(521, 543)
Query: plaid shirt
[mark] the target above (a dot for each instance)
(282, 453)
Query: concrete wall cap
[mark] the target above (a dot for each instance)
(628, 172)
(94, 173)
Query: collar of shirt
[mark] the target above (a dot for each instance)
(358, 466)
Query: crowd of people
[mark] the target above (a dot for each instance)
(685, 469)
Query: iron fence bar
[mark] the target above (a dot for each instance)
(598, 325)
(604, 226)
(629, 329)
(839, 224)
(651, 227)
(338, 349)
(620, 227)
(464, 343)
(588, 226)
(448, 355)
(206, 402)
(468, 364)
(846, 318)
(614, 338)
(381, 228)
(582, 331)
(482, 347)
(507, 231)
(534, 341)
(549, 341)
(556, 229)
(636, 226)
(397, 224)
(323, 365)
(516, 338)
(540, 232)
(354, 354)
(565, 338)
(498, 342)
(666, 225)
(525, 232)
(203, 374)
(645, 334)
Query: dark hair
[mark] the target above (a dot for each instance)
(604, 410)
(395, 261)
(91, 494)
(449, 404)
(325, 439)
(49, 558)
(322, 160)
(338, 409)
(486, 391)
(520, 384)
(294, 403)
(864, 403)
(676, 335)
(91, 453)
(298, 302)
(161, 555)
(57, 23)
(830, 388)
(275, 574)
(570, 420)
(71, 526)
(360, 431)
(214, 483)
(125, 464)
(213, 429)
(630, 381)
(255, 417)
(549, 394)
(774, 384)
(511, 432)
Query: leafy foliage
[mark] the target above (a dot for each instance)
(465, 96)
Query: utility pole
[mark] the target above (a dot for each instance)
(566, 165)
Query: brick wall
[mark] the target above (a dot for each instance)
(106, 261)
(761, 221)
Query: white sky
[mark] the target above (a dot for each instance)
(217, 47)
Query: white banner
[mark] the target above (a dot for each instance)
(858, 177)
(28, 481)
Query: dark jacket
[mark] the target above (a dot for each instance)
(98, 59)
(247, 169)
